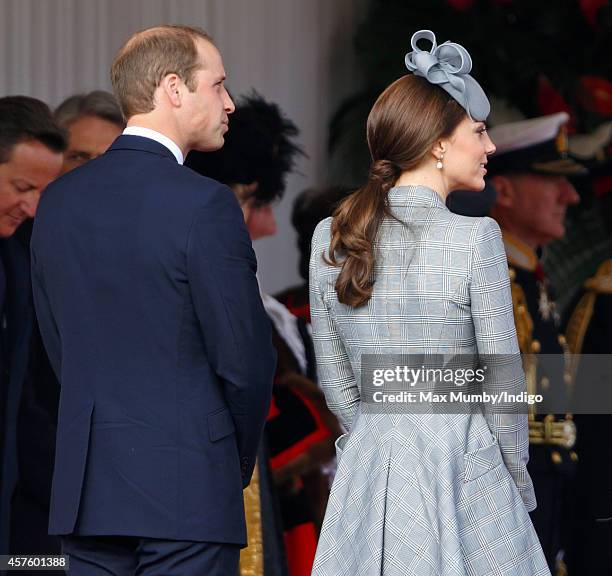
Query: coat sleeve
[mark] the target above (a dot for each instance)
(496, 340)
(333, 365)
(221, 269)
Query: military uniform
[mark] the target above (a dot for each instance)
(552, 460)
(533, 153)
(589, 331)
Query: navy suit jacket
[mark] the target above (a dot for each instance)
(145, 290)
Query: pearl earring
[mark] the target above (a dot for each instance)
(439, 162)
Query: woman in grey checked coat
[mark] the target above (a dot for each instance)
(394, 272)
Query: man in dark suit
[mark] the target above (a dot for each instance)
(31, 147)
(145, 290)
(91, 122)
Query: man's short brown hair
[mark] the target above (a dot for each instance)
(99, 103)
(23, 118)
(150, 55)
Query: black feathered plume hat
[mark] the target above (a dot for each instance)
(258, 148)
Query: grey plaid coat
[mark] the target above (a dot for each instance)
(428, 494)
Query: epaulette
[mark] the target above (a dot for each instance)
(579, 322)
(522, 317)
(601, 283)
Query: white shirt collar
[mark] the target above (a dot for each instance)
(158, 137)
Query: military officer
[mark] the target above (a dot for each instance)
(530, 176)
(528, 193)
(589, 331)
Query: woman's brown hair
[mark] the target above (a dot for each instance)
(403, 126)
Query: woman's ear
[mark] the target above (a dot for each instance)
(439, 149)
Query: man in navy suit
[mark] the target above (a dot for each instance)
(31, 147)
(144, 285)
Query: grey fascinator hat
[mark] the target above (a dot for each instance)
(448, 66)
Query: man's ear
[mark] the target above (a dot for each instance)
(243, 194)
(172, 86)
(505, 191)
(246, 210)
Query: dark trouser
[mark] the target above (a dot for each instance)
(132, 556)
(28, 535)
(592, 528)
(592, 553)
(553, 484)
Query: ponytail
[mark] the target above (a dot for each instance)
(353, 231)
(403, 126)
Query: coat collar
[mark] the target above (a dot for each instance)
(419, 196)
(141, 144)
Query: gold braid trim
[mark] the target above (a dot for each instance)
(579, 322)
(524, 333)
(522, 317)
(601, 283)
(251, 557)
(560, 568)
